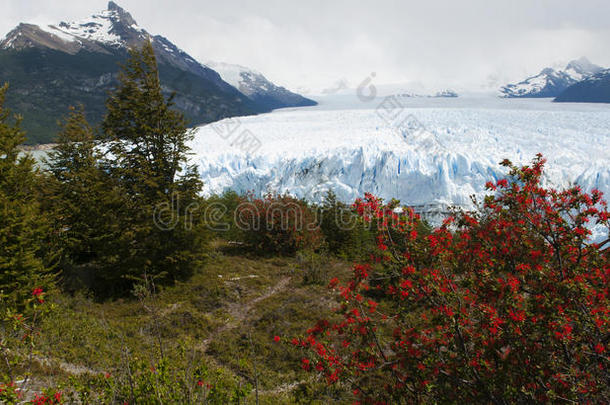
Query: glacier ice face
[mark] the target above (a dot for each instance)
(307, 151)
(455, 149)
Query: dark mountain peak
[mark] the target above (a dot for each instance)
(112, 6)
(119, 16)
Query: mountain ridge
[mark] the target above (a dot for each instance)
(257, 87)
(593, 89)
(52, 67)
(551, 82)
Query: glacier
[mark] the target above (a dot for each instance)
(351, 149)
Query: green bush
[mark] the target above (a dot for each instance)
(218, 215)
(314, 267)
(346, 234)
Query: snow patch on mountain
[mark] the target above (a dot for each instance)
(61, 34)
(257, 87)
(592, 89)
(231, 73)
(98, 28)
(581, 69)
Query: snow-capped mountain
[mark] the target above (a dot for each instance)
(256, 86)
(108, 31)
(551, 82)
(593, 89)
(77, 62)
(113, 27)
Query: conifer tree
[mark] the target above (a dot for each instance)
(335, 223)
(149, 138)
(86, 206)
(22, 227)
(148, 141)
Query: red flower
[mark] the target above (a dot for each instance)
(276, 339)
(38, 293)
(491, 287)
(502, 183)
(518, 316)
(513, 283)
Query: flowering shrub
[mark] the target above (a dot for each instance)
(49, 398)
(9, 393)
(19, 331)
(278, 224)
(508, 304)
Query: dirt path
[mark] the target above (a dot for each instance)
(239, 311)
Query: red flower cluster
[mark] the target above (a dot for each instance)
(47, 400)
(38, 293)
(201, 383)
(508, 304)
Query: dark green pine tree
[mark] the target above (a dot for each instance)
(22, 227)
(148, 141)
(86, 205)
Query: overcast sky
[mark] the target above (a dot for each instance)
(311, 44)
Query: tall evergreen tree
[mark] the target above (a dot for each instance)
(86, 205)
(149, 138)
(148, 141)
(22, 227)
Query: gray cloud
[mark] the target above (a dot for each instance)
(312, 44)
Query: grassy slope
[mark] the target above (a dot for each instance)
(227, 315)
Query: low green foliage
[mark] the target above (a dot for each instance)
(314, 267)
(217, 327)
